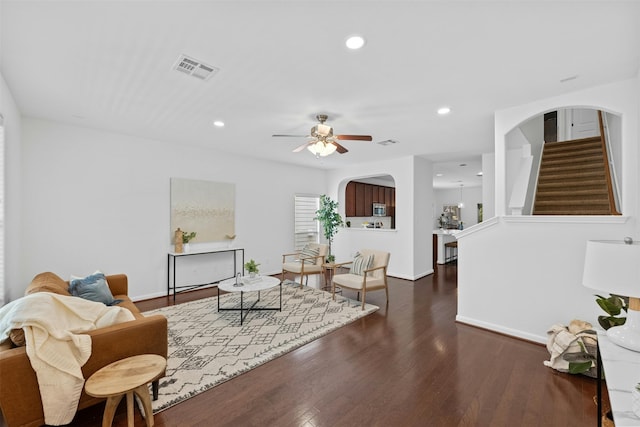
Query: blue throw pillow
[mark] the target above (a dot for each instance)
(92, 288)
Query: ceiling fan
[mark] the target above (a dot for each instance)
(323, 141)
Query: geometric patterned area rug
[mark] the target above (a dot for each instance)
(207, 347)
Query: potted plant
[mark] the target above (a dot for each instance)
(186, 238)
(613, 306)
(251, 267)
(330, 218)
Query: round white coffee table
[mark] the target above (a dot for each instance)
(247, 284)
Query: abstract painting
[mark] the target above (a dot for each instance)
(206, 207)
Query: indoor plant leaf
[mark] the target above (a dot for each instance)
(579, 367)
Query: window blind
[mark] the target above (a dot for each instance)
(307, 228)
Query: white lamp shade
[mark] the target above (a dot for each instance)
(612, 266)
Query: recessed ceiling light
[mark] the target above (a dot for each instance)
(439, 174)
(463, 164)
(479, 173)
(354, 42)
(444, 110)
(218, 123)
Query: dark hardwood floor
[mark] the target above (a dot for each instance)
(408, 364)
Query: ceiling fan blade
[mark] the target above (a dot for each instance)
(294, 136)
(355, 137)
(339, 148)
(302, 147)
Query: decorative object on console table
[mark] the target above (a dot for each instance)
(177, 241)
(330, 218)
(186, 238)
(613, 266)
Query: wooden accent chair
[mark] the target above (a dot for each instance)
(306, 262)
(370, 278)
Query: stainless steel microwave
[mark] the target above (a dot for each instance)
(379, 209)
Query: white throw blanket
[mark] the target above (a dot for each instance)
(53, 325)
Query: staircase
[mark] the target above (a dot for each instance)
(574, 179)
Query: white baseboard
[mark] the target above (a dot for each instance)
(502, 329)
(406, 277)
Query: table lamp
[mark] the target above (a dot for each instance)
(614, 266)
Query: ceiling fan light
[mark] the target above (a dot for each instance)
(328, 149)
(321, 149)
(315, 148)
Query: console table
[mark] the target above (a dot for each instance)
(622, 370)
(173, 256)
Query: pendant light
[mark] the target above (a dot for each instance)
(461, 203)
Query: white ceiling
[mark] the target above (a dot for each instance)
(108, 65)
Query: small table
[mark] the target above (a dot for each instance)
(330, 268)
(127, 376)
(260, 283)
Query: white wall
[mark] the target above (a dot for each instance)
(410, 246)
(523, 274)
(619, 97)
(99, 200)
(489, 185)
(13, 198)
(614, 128)
(422, 207)
(519, 277)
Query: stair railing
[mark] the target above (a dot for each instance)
(608, 166)
(534, 181)
(518, 197)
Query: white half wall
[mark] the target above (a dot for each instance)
(100, 200)
(524, 274)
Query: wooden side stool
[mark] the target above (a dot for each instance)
(126, 377)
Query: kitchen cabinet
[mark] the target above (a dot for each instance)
(360, 197)
(359, 207)
(350, 199)
(368, 199)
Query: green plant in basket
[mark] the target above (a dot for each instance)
(613, 306)
(251, 266)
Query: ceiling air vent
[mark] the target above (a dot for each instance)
(387, 142)
(194, 68)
